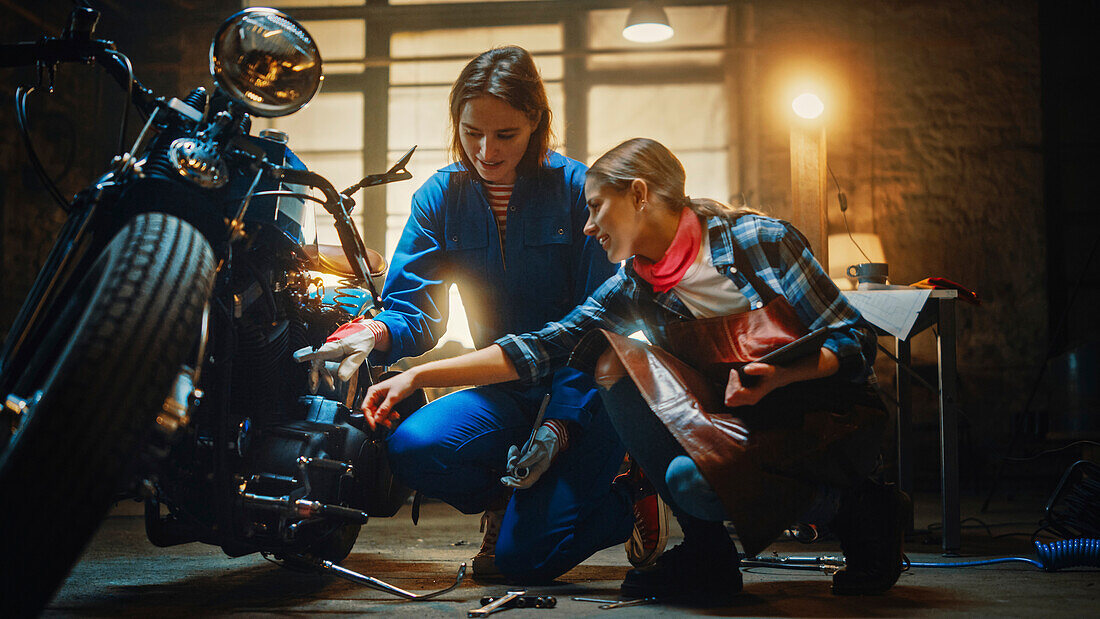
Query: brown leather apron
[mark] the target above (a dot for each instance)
(764, 461)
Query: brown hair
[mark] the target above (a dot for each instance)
(509, 74)
(652, 162)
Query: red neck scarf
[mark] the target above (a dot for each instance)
(670, 269)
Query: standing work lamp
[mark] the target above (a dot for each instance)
(647, 23)
(808, 173)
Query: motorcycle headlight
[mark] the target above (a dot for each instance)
(266, 61)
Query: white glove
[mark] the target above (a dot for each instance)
(350, 344)
(524, 469)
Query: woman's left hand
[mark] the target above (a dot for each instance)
(753, 381)
(749, 385)
(378, 404)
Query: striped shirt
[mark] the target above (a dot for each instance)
(625, 303)
(499, 195)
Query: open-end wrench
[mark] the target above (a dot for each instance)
(496, 604)
(624, 603)
(609, 604)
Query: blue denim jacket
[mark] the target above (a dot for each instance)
(546, 267)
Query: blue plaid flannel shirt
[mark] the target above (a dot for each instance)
(780, 256)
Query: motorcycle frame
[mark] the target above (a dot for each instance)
(92, 223)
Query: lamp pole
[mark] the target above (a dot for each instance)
(808, 174)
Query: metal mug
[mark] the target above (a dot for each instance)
(870, 272)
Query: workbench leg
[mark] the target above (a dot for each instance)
(905, 417)
(949, 428)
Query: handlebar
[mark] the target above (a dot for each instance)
(335, 203)
(50, 51)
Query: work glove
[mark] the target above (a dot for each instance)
(348, 345)
(526, 466)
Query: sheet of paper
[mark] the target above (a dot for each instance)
(894, 311)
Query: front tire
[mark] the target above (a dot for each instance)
(97, 381)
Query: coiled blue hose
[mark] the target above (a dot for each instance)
(1079, 552)
(1069, 553)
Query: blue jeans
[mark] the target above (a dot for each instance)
(673, 474)
(454, 449)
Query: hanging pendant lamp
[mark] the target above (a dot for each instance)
(647, 23)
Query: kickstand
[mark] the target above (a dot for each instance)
(374, 583)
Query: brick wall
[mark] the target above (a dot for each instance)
(76, 128)
(937, 143)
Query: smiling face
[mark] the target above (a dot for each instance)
(494, 136)
(614, 219)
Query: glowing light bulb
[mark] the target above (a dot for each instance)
(808, 105)
(647, 33)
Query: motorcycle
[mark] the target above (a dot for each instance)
(152, 357)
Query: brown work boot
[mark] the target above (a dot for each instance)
(484, 564)
(871, 527)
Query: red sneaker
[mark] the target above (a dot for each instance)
(650, 535)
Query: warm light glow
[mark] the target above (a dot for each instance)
(808, 105)
(843, 251)
(647, 33)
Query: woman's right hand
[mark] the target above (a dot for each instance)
(378, 404)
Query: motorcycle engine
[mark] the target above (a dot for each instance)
(294, 445)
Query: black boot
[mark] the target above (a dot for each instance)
(871, 526)
(705, 567)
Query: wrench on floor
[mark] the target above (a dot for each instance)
(496, 604)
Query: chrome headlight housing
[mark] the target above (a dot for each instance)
(266, 61)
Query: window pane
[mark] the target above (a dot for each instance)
(537, 38)
(343, 169)
(424, 163)
(339, 39)
(556, 93)
(689, 116)
(418, 115)
(689, 119)
(333, 68)
(332, 121)
(466, 43)
(707, 173)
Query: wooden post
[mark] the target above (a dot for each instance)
(808, 186)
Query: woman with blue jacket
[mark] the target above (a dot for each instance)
(505, 224)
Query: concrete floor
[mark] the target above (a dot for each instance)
(122, 574)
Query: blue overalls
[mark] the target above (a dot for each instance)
(454, 448)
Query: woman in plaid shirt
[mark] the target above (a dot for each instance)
(718, 436)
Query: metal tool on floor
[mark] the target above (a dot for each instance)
(826, 564)
(526, 601)
(522, 471)
(610, 604)
(495, 605)
(378, 585)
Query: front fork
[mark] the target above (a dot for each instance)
(175, 414)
